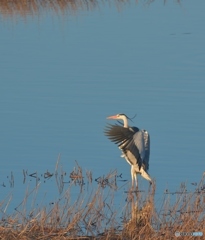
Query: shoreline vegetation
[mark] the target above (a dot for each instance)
(93, 214)
(24, 8)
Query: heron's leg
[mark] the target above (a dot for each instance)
(136, 180)
(132, 176)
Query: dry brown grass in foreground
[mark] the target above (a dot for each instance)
(93, 215)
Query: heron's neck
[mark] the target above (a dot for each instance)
(125, 121)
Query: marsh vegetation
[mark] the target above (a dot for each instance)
(60, 7)
(94, 214)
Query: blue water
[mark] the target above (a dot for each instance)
(61, 78)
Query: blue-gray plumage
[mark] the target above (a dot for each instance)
(134, 144)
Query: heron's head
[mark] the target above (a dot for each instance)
(121, 116)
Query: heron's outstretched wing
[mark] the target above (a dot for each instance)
(124, 137)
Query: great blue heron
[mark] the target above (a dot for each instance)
(134, 144)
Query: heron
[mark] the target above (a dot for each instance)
(134, 144)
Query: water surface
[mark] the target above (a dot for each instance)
(62, 75)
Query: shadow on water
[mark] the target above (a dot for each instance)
(93, 213)
(23, 8)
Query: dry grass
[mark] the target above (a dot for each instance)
(93, 214)
(12, 8)
(23, 8)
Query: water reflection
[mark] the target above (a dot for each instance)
(35, 7)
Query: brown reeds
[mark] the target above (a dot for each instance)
(93, 213)
(24, 8)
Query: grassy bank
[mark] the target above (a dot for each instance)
(93, 214)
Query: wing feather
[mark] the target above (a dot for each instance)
(124, 137)
(142, 141)
(147, 149)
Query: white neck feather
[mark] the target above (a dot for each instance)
(124, 118)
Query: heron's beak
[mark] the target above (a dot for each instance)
(112, 117)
